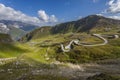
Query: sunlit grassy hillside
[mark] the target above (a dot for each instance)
(10, 50)
(47, 49)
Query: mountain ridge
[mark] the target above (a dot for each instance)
(85, 24)
(89, 24)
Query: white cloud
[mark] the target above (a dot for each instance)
(99, 14)
(114, 6)
(3, 28)
(114, 17)
(16, 26)
(45, 17)
(8, 13)
(53, 18)
(113, 10)
(110, 2)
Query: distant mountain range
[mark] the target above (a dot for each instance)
(89, 24)
(15, 28)
(18, 24)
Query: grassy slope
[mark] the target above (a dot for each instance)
(10, 50)
(87, 54)
(37, 49)
(37, 33)
(51, 45)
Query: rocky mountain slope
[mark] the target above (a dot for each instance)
(89, 24)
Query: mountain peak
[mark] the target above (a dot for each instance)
(91, 24)
(95, 17)
(86, 24)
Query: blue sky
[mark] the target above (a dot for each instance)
(60, 10)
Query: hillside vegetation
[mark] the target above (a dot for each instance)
(37, 33)
(8, 48)
(39, 54)
(47, 40)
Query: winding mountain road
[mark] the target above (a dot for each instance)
(100, 37)
(77, 42)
